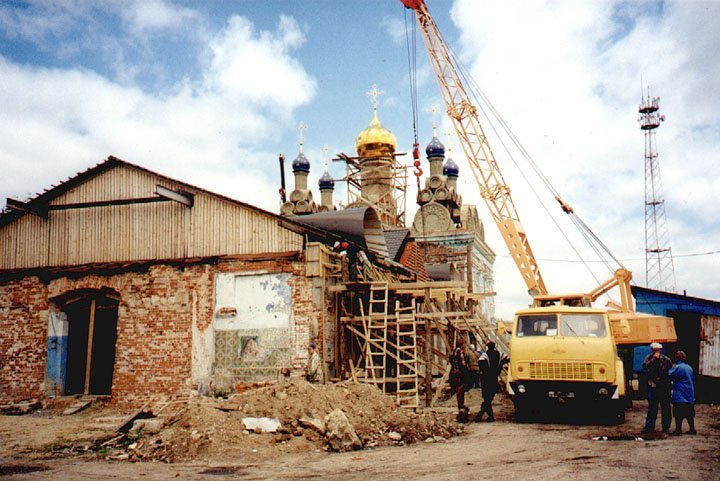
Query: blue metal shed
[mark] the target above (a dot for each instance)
(697, 323)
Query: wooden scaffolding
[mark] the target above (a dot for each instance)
(393, 334)
(397, 336)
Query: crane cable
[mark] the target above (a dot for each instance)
(411, 39)
(595, 243)
(412, 74)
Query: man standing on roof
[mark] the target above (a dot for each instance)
(657, 365)
(352, 259)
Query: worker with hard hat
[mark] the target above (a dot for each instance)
(657, 365)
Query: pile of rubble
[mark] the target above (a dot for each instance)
(292, 417)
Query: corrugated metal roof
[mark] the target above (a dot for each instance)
(659, 302)
(361, 226)
(44, 198)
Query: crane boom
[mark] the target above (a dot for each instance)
(493, 189)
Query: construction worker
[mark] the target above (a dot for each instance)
(657, 365)
(683, 393)
(473, 358)
(315, 373)
(491, 362)
(458, 376)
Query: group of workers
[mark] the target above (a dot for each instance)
(470, 368)
(669, 383)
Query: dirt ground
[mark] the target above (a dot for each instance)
(206, 441)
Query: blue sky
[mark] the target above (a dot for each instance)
(211, 92)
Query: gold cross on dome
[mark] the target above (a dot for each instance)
(374, 94)
(301, 127)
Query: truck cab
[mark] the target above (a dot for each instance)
(565, 355)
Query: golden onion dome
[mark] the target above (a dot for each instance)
(375, 133)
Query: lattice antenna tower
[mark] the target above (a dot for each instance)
(659, 269)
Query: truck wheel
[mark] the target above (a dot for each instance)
(616, 411)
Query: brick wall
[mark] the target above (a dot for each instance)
(23, 334)
(156, 316)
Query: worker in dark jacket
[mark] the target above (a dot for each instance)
(491, 362)
(683, 393)
(657, 365)
(458, 378)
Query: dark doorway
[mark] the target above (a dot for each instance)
(92, 332)
(687, 327)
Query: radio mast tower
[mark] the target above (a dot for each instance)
(659, 270)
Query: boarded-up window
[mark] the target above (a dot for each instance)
(252, 325)
(709, 364)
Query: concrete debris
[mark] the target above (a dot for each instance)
(395, 436)
(312, 423)
(148, 426)
(77, 407)
(263, 425)
(341, 435)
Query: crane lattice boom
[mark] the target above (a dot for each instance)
(493, 189)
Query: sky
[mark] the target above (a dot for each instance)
(210, 93)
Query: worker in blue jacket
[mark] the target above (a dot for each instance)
(683, 393)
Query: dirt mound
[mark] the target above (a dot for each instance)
(213, 428)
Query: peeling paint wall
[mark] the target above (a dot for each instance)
(252, 325)
(57, 344)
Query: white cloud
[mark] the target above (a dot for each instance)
(283, 84)
(207, 133)
(150, 15)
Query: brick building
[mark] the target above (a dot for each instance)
(120, 280)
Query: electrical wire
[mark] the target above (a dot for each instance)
(632, 259)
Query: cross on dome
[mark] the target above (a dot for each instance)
(374, 94)
(301, 127)
(325, 150)
(434, 109)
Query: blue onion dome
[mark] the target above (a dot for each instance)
(435, 148)
(450, 168)
(326, 182)
(301, 163)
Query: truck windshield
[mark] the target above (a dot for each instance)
(537, 325)
(582, 325)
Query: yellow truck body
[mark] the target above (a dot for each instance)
(565, 354)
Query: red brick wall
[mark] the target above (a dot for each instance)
(23, 339)
(155, 321)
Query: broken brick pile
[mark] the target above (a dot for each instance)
(214, 429)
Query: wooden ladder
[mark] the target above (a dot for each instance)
(406, 349)
(375, 323)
